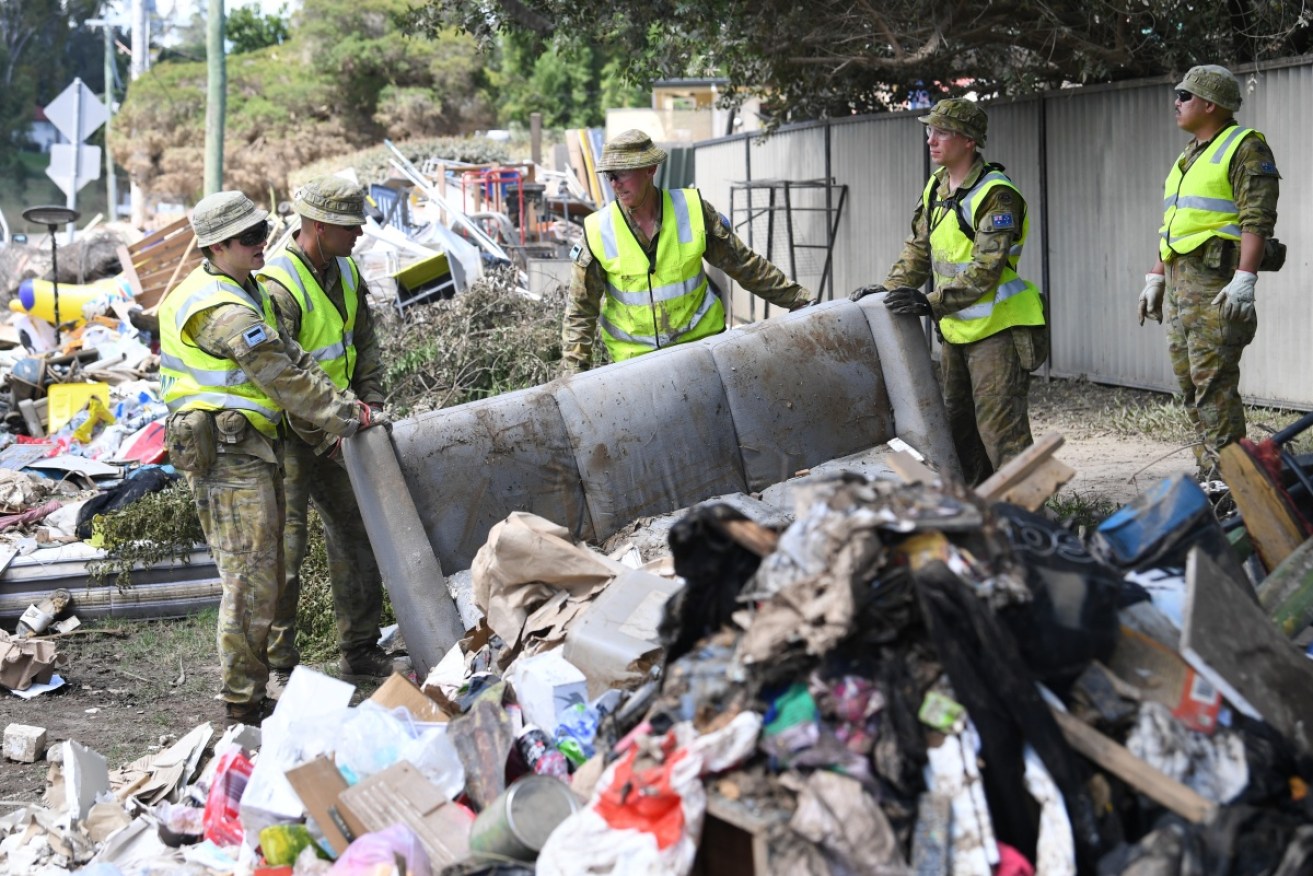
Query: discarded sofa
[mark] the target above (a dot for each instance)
(731, 414)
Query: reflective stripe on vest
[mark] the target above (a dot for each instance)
(1013, 302)
(324, 334)
(649, 306)
(1198, 203)
(191, 378)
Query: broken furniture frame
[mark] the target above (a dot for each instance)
(784, 199)
(156, 263)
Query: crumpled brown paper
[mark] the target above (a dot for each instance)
(531, 580)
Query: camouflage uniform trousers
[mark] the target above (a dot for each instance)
(353, 573)
(240, 505)
(1205, 350)
(985, 392)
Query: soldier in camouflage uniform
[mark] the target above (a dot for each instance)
(639, 269)
(1220, 208)
(323, 302)
(967, 233)
(227, 375)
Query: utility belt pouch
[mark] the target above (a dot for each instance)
(190, 437)
(1274, 255)
(231, 426)
(1032, 343)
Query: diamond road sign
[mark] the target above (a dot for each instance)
(77, 112)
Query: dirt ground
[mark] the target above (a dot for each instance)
(134, 686)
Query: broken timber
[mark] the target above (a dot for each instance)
(1246, 651)
(1274, 526)
(1030, 478)
(1155, 785)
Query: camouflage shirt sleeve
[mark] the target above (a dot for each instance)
(999, 220)
(750, 270)
(584, 306)
(913, 265)
(1256, 184)
(277, 365)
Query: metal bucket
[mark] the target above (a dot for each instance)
(518, 822)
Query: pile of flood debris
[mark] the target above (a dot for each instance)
(903, 676)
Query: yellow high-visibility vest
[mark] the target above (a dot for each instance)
(191, 378)
(1013, 302)
(325, 334)
(1198, 203)
(668, 301)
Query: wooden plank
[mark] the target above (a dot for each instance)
(190, 258)
(1114, 758)
(1275, 527)
(575, 151)
(167, 250)
(161, 275)
(909, 469)
(129, 270)
(1249, 655)
(1036, 465)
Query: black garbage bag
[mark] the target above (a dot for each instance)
(989, 677)
(1073, 617)
(146, 480)
(715, 568)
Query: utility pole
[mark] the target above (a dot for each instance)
(140, 64)
(111, 184)
(215, 99)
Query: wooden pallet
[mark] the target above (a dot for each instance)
(154, 265)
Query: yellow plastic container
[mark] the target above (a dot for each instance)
(66, 399)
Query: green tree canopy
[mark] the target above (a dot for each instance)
(249, 29)
(572, 89)
(835, 57)
(348, 75)
(36, 64)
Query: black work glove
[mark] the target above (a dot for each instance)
(907, 301)
(859, 294)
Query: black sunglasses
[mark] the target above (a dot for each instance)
(1184, 96)
(255, 235)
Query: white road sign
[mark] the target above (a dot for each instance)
(73, 102)
(62, 158)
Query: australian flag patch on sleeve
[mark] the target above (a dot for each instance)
(1001, 220)
(255, 336)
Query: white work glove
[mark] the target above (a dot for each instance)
(1151, 298)
(1237, 297)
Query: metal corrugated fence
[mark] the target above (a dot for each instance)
(1092, 160)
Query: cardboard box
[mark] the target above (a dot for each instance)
(546, 685)
(401, 691)
(319, 783)
(401, 793)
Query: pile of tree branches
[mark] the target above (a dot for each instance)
(491, 339)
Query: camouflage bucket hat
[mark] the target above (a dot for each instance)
(960, 116)
(331, 199)
(1214, 84)
(223, 215)
(630, 151)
